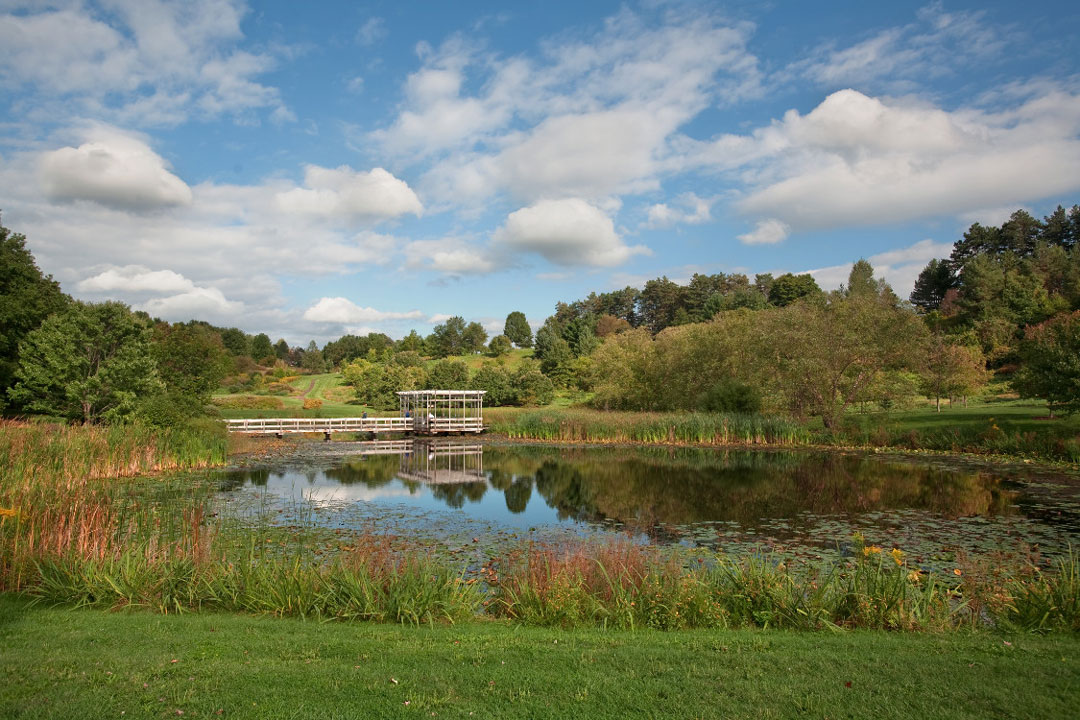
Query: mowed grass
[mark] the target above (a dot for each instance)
(71, 664)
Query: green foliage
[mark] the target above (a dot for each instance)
(191, 359)
(952, 370)
(788, 288)
(236, 342)
(312, 359)
(411, 343)
(473, 338)
(531, 387)
(448, 338)
(376, 384)
(494, 379)
(500, 345)
(448, 375)
(89, 362)
(261, 349)
(26, 298)
(517, 329)
(1051, 363)
(728, 395)
(933, 282)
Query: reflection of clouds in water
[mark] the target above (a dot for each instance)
(352, 493)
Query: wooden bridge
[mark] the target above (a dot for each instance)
(423, 412)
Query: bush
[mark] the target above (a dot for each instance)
(730, 396)
(312, 403)
(249, 402)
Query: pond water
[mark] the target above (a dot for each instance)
(461, 494)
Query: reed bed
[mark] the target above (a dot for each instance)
(626, 586)
(595, 426)
(986, 441)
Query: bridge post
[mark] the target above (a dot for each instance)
(326, 436)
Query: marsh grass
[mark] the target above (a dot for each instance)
(580, 425)
(627, 586)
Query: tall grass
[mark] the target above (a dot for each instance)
(579, 425)
(627, 586)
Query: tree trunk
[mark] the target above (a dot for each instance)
(938, 401)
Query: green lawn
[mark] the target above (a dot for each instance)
(84, 663)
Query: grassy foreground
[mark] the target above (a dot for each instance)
(73, 664)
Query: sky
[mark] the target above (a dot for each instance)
(314, 169)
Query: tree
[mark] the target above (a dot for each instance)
(191, 359)
(822, 357)
(952, 370)
(658, 303)
(236, 342)
(281, 349)
(557, 362)
(1050, 357)
(610, 325)
(191, 362)
(500, 345)
(261, 349)
(788, 288)
(517, 329)
(933, 282)
(26, 298)
(89, 362)
(313, 359)
(861, 279)
(496, 382)
(473, 337)
(532, 387)
(447, 339)
(411, 342)
(448, 375)
(580, 337)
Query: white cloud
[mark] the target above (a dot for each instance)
(344, 311)
(697, 210)
(146, 61)
(136, 279)
(766, 232)
(452, 256)
(344, 193)
(565, 232)
(439, 318)
(591, 118)
(858, 160)
(198, 303)
(113, 169)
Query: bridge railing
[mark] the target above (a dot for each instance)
(274, 426)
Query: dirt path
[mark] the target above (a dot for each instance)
(310, 387)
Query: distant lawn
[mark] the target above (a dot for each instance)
(1010, 415)
(84, 663)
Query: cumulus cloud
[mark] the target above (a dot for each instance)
(344, 193)
(452, 256)
(767, 232)
(198, 303)
(136, 279)
(695, 211)
(860, 160)
(565, 232)
(344, 311)
(113, 169)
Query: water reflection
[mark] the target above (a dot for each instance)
(664, 493)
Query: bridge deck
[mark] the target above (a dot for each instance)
(281, 426)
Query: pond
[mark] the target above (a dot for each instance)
(469, 497)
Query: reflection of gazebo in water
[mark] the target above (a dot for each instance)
(443, 411)
(443, 462)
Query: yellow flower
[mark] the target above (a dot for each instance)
(956, 571)
(8, 513)
(871, 550)
(897, 555)
(914, 576)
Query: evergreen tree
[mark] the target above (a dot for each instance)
(517, 329)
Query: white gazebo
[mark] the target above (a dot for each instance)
(443, 411)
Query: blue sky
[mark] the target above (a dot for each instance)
(314, 169)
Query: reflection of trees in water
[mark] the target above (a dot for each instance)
(646, 489)
(236, 479)
(455, 494)
(518, 494)
(372, 471)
